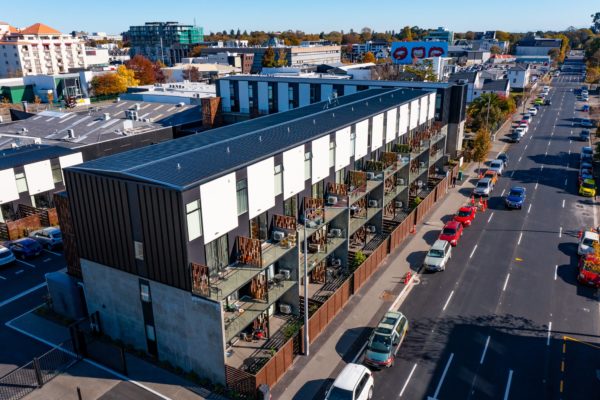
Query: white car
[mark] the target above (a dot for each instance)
(532, 111)
(6, 256)
(497, 166)
(586, 243)
(525, 127)
(355, 382)
(438, 255)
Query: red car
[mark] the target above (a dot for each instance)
(465, 215)
(452, 232)
(589, 271)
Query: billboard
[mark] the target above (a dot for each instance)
(408, 52)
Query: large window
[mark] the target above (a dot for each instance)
(290, 206)
(259, 228)
(194, 220)
(339, 176)
(331, 154)
(318, 190)
(56, 174)
(217, 254)
(278, 180)
(21, 182)
(242, 196)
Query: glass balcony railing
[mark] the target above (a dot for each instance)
(322, 254)
(392, 194)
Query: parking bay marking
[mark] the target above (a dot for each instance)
(26, 263)
(507, 390)
(520, 237)
(19, 272)
(563, 203)
(555, 271)
(529, 208)
(473, 252)
(3, 278)
(47, 259)
(490, 218)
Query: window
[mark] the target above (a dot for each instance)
(138, 248)
(318, 190)
(217, 254)
(361, 386)
(145, 293)
(57, 174)
(150, 334)
(331, 154)
(352, 140)
(242, 196)
(307, 167)
(339, 176)
(290, 206)
(278, 180)
(259, 228)
(194, 220)
(21, 182)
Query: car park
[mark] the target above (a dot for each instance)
(584, 135)
(466, 215)
(588, 188)
(6, 256)
(438, 255)
(533, 111)
(589, 270)
(355, 382)
(515, 198)
(587, 241)
(497, 166)
(25, 248)
(451, 232)
(483, 187)
(49, 238)
(385, 340)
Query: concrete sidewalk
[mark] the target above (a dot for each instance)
(342, 340)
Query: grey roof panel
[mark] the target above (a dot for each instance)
(10, 158)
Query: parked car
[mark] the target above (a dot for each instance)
(451, 232)
(504, 158)
(516, 136)
(497, 166)
(589, 271)
(355, 382)
(584, 174)
(385, 340)
(587, 153)
(483, 187)
(525, 128)
(586, 123)
(584, 135)
(49, 238)
(539, 101)
(466, 215)
(493, 175)
(6, 256)
(515, 198)
(25, 248)
(586, 242)
(526, 117)
(585, 108)
(588, 188)
(547, 102)
(438, 255)
(533, 111)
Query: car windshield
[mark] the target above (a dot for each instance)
(448, 231)
(380, 344)
(482, 184)
(464, 213)
(515, 193)
(586, 150)
(4, 254)
(436, 253)
(588, 241)
(339, 394)
(588, 185)
(496, 164)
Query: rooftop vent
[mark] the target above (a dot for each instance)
(136, 106)
(23, 130)
(106, 116)
(70, 134)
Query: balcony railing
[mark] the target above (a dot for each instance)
(321, 253)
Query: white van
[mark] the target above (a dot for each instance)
(355, 382)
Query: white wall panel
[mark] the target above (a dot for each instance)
(377, 132)
(261, 187)
(69, 161)
(293, 171)
(219, 207)
(362, 139)
(391, 126)
(320, 159)
(403, 125)
(342, 148)
(414, 114)
(8, 186)
(39, 177)
(431, 111)
(423, 109)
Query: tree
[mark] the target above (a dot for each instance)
(159, 75)
(596, 22)
(268, 59)
(369, 57)
(422, 72)
(366, 34)
(495, 49)
(406, 34)
(282, 58)
(196, 51)
(502, 36)
(592, 75)
(481, 146)
(127, 77)
(108, 84)
(469, 35)
(192, 74)
(489, 110)
(143, 69)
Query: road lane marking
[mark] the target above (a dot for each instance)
(505, 283)
(526, 146)
(566, 180)
(546, 153)
(536, 185)
(19, 271)
(3, 278)
(26, 263)
(52, 252)
(507, 390)
(560, 232)
(549, 333)
(448, 301)
(502, 194)
(473, 252)
(512, 173)
(22, 294)
(47, 259)
(408, 380)
(487, 342)
(569, 152)
(519, 159)
(529, 208)
(520, 237)
(490, 218)
(563, 204)
(439, 386)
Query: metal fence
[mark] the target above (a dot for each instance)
(23, 380)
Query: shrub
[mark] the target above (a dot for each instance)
(416, 201)
(359, 258)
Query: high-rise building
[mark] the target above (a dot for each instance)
(168, 42)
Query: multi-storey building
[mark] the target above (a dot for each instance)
(440, 34)
(191, 249)
(380, 49)
(39, 49)
(168, 42)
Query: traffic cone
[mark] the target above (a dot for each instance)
(407, 277)
(485, 205)
(472, 200)
(413, 230)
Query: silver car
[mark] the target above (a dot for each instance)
(497, 166)
(483, 187)
(49, 238)
(437, 257)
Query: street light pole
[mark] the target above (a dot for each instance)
(306, 337)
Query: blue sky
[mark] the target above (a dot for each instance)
(114, 16)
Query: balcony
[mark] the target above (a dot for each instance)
(392, 194)
(419, 149)
(314, 225)
(254, 253)
(323, 251)
(436, 156)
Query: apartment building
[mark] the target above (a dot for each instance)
(191, 249)
(440, 34)
(168, 42)
(39, 49)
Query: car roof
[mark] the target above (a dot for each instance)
(517, 188)
(3, 249)
(24, 240)
(591, 235)
(496, 161)
(586, 148)
(591, 181)
(486, 180)
(439, 245)
(466, 208)
(349, 377)
(452, 224)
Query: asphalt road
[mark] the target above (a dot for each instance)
(492, 326)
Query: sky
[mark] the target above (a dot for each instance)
(311, 16)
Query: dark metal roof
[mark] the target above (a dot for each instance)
(10, 158)
(459, 76)
(495, 85)
(186, 162)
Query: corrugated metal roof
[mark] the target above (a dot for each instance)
(189, 161)
(10, 158)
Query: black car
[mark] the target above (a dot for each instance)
(503, 157)
(515, 137)
(548, 102)
(584, 135)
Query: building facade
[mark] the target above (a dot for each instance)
(440, 34)
(168, 42)
(519, 76)
(39, 49)
(193, 248)
(535, 46)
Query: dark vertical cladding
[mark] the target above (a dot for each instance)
(100, 213)
(164, 244)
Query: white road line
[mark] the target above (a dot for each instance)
(526, 146)
(549, 333)
(439, 386)
(520, 237)
(502, 194)
(26, 263)
(490, 218)
(412, 371)
(536, 185)
(546, 153)
(47, 259)
(529, 208)
(3, 278)
(19, 272)
(560, 232)
(448, 301)
(519, 159)
(569, 151)
(563, 204)
(505, 283)
(566, 180)
(487, 343)
(22, 294)
(52, 252)
(542, 168)
(507, 390)
(473, 252)
(555, 271)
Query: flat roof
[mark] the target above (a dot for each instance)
(184, 163)
(22, 155)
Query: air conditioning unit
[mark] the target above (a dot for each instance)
(278, 236)
(335, 232)
(286, 273)
(401, 182)
(37, 141)
(331, 200)
(371, 228)
(285, 309)
(335, 262)
(379, 177)
(398, 204)
(421, 164)
(373, 203)
(136, 106)
(24, 130)
(370, 175)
